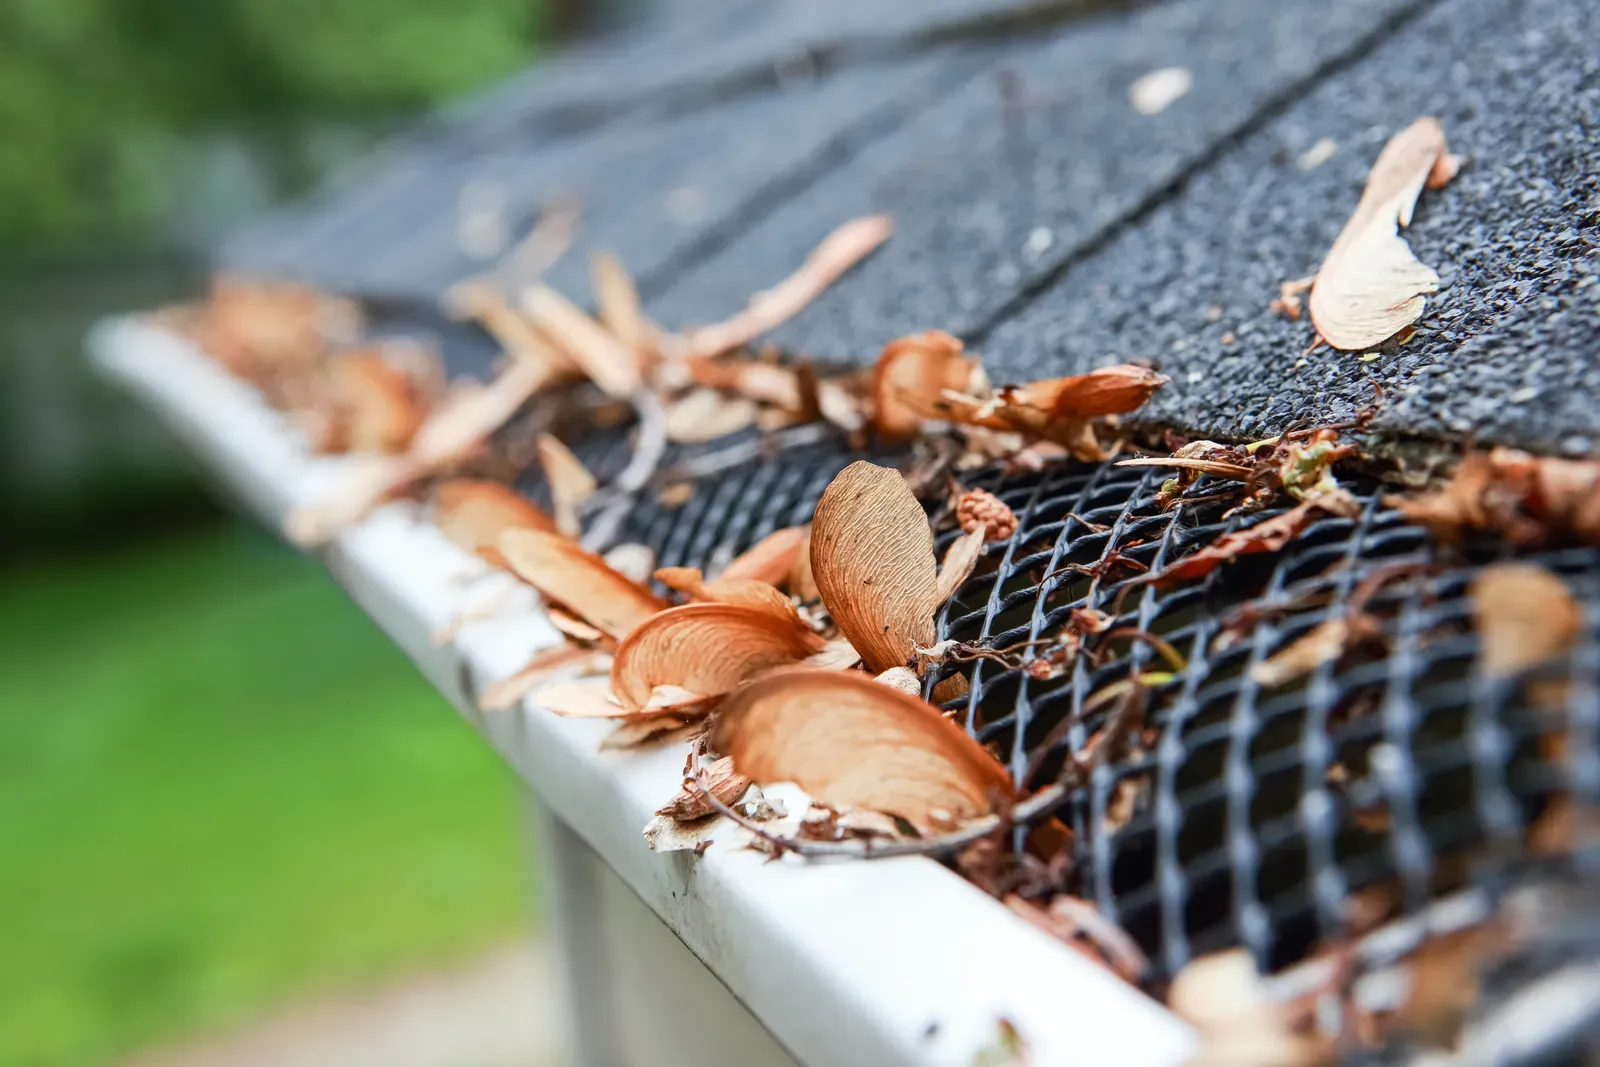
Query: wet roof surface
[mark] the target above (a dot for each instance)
(1038, 214)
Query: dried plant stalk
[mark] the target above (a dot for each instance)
(838, 252)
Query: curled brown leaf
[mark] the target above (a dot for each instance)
(839, 251)
(372, 401)
(911, 378)
(872, 558)
(1529, 499)
(744, 592)
(720, 779)
(771, 559)
(473, 514)
(603, 358)
(1525, 616)
(560, 569)
(1371, 286)
(568, 480)
(850, 742)
(705, 648)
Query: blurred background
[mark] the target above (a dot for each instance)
(230, 805)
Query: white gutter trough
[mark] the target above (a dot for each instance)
(870, 963)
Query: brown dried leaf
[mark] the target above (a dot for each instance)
(1525, 616)
(453, 431)
(560, 569)
(1114, 390)
(1370, 286)
(911, 378)
(1323, 643)
(257, 329)
(373, 400)
(1224, 998)
(802, 580)
(721, 781)
(753, 379)
(582, 698)
(705, 648)
(771, 559)
(569, 481)
(839, 251)
(635, 731)
(470, 412)
(872, 558)
(706, 415)
(574, 627)
(850, 742)
(607, 361)
(744, 592)
(1057, 408)
(618, 302)
(959, 560)
(519, 338)
(473, 514)
(1269, 536)
(1530, 499)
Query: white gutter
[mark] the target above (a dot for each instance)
(870, 963)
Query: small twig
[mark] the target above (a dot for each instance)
(871, 848)
(651, 446)
(1079, 766)
(725, 459)
(1160, 644)
(618, 497)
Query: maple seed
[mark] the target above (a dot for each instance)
(1370, 286)
(873, 563)
(473, 514)
(851, 741)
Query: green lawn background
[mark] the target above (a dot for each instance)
(221, 789)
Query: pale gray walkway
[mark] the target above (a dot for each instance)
(502, 1010)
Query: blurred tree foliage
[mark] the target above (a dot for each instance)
(96, 96)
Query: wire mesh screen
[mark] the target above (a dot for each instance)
(1274, 816)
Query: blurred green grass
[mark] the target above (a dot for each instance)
(222, 789)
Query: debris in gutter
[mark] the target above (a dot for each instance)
(1153, 93)
(1529, 500)
(1370, 286)
(1008, 1050)
(849, 741)
(806, 658)
(838, 252)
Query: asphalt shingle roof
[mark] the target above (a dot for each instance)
(1037, 213)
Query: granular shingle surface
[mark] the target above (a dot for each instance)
(1508, 348)
(1041, 217)
(988, 199)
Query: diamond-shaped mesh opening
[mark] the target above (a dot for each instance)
(1278, 818)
